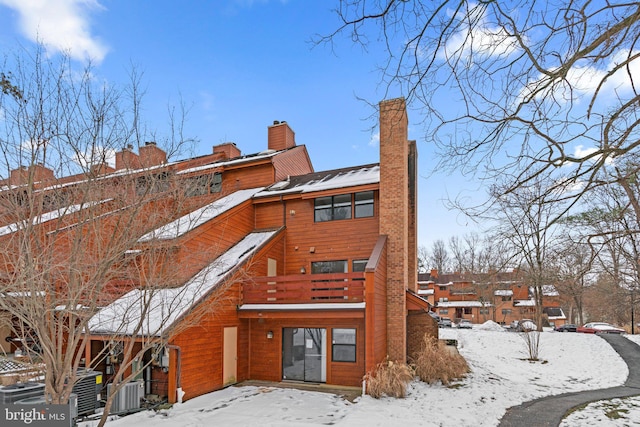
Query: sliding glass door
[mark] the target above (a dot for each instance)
(304, 354)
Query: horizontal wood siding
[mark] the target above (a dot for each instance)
(266, 354)
(308, 241)
(269, 215)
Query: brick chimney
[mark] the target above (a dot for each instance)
(397, 208)
(280, 136)
(152, 155)
(229, 150)
(37, 172)
(127, 159)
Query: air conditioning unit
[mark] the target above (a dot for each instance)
(15, 392)
(88, 387)
(127, 398)
(40, 400)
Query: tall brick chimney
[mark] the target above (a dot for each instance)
(397, 221)
(152, 155)
(127, 159)
(280, 136)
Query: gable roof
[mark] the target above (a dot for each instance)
(156, 311)
(326, 180)
(193, 219)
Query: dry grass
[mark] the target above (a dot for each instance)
(435, 362)
(389, 378)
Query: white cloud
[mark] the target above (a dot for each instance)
(480, 39)
(61, 25)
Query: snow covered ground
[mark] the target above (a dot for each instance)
(501, 377)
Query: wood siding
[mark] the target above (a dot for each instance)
(266, 354)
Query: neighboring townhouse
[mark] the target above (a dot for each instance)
(499, 296)
(278, 272)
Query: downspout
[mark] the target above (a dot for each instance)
(179, 392)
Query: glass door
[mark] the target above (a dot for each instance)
(304, 354)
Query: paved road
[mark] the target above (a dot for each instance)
(549, 411)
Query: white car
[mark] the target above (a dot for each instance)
(465, 324)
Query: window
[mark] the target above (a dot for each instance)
(444, 311)
(467, 310)
(506, 298)
(359, 265)
(363, 204)
(152, 184)
(506, 311)
(343, 345)
(442, 288)
(332, 208)
(484, 311)
(325, 267)
(204, 184)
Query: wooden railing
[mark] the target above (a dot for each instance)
(304, 289)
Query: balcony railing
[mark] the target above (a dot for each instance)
(304, 289)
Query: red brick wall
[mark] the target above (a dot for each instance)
(394, 213)
(419, 324)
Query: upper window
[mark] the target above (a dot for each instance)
(363, 204)
(326, 267)
(204, 184)
(330, 208)
(343, 345)
(358, 265)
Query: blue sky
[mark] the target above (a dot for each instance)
(240, 65)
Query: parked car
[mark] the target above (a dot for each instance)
(599, 328)
(465, 324)
(524, 325)
(444, 322)
(567, 327)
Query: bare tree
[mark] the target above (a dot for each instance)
(66, 243)
(438, 257)
(512, 88)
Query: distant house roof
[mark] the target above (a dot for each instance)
(450, 304)
(165, 306)
(524, 303)
(198, 217)
(554, 313)
(326, 180)
(425, 291)
(503, 292)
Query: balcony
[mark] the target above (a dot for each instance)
(304, 289)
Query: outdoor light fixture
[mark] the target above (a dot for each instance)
(303, 270)
(270, 335)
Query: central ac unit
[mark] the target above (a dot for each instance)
(88, 387)
(127, 398)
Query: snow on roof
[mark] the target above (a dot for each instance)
(48, 216)
(198, 217)
(327, 180)
(503, 292)
(235, 161)
(524, 303)
(165, 306)
(445, 304)
(425, 291)
(312, 306)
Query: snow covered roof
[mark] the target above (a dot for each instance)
(327, 180)
(235, 161)
(447, 304)
(312, 306)
(503, 292)
(165, 306)
(198, 217)
(524, 303)
(425, 291)
(48, 216)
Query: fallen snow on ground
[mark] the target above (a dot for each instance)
(501, 377)
(608, 413)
